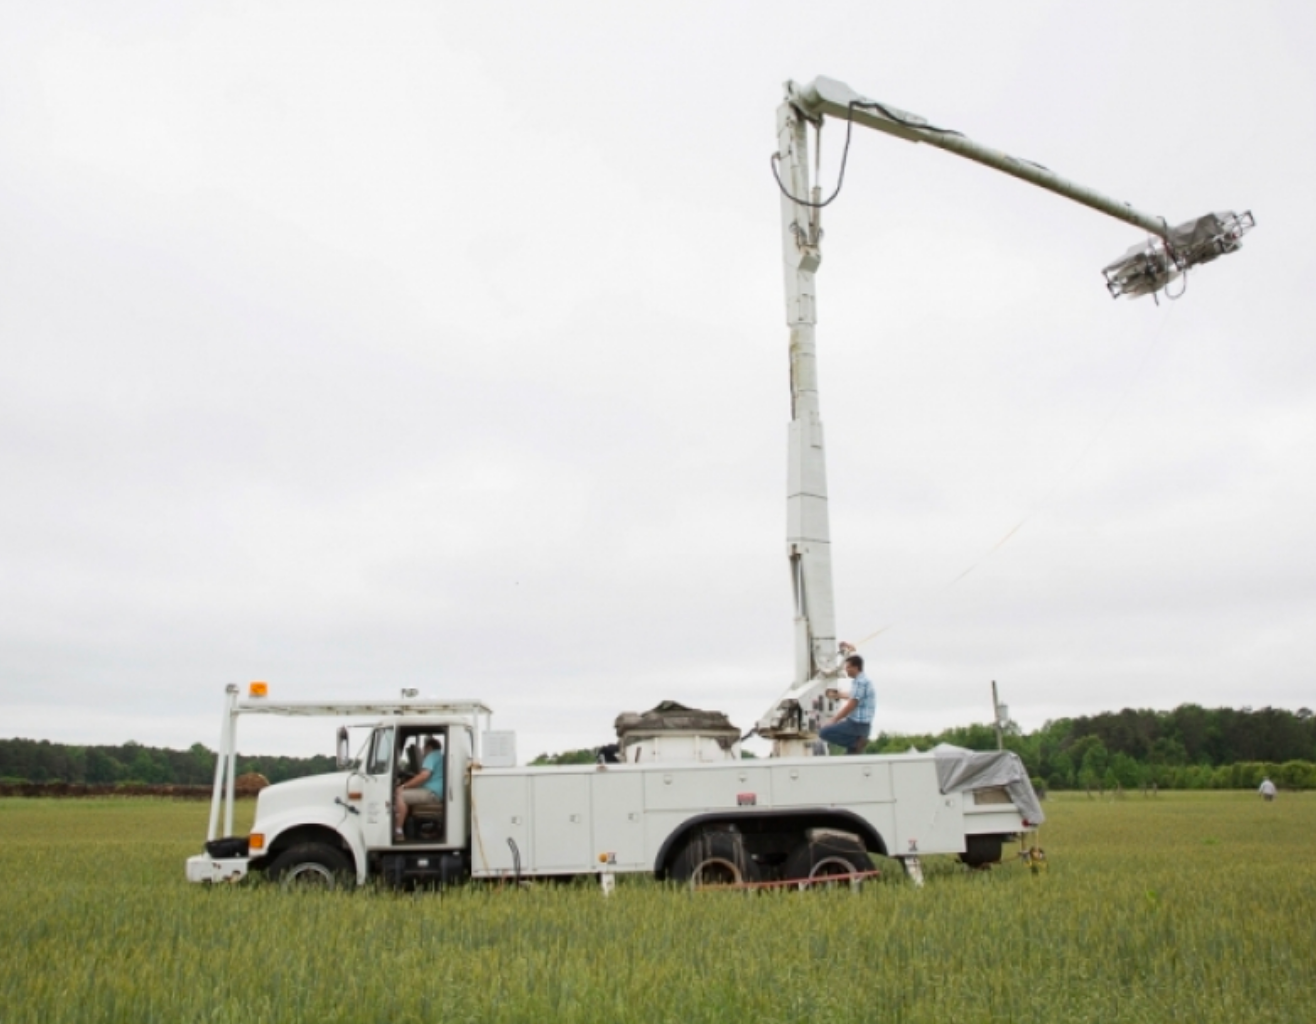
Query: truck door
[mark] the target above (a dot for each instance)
(458, 782)
(374, 780)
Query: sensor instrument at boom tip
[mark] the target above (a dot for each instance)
(1147, 268)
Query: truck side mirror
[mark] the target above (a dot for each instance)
(344, 754)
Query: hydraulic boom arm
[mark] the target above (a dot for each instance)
(792, 722)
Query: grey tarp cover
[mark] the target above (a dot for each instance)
(959, 770)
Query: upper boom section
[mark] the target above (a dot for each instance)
(1144, 269)
(836, 99)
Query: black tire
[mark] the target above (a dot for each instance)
(311, 866)
(979, 851)
(714, 858)
(814, 861)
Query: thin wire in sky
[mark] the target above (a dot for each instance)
(1045, 500)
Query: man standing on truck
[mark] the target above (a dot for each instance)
(425, 787)
(851, 725)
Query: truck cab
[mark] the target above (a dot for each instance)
(356, 811)
(340, 826)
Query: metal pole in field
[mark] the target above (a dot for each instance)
(996, 718)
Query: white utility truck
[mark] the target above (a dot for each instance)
(679, 802)
(682, 803)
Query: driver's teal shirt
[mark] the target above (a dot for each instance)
(434, 765)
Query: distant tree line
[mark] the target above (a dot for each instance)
(23, 760)
(1190, 747)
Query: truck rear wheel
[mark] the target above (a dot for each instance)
(714, 858)
(814, 861)
(310, 866)
(979, 851)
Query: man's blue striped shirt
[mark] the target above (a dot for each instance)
(865, 698)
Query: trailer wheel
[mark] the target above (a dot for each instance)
(310, 866)
(714, 858)
(816, 862)
(979, 851)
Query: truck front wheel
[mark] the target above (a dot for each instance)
(310, 866)
(714, 858)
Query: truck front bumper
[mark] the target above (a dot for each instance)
(205, 868)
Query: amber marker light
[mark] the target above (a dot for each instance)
(256, 841)
(258, 690)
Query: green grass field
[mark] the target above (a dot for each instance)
(1191, 907)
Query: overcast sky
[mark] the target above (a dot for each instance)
(441, 345)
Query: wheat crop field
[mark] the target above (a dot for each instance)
(1186, 907)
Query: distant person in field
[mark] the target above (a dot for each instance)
(853, 722)
(425, 787)
(1267, 790)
